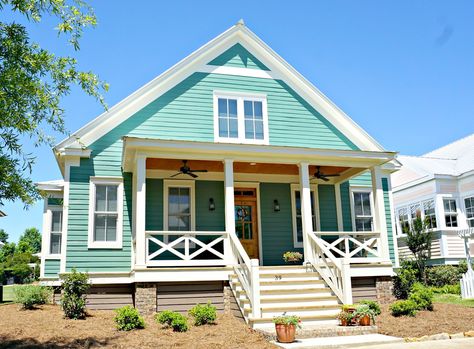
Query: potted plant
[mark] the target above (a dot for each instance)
(285, 326)
(363, 314)
(292, 257)
(345, 318)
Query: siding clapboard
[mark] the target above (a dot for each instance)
(51, 268)
(106, 297)
(327, 207)
(346, 206)
(238, 56)
(388, 219)
(363, 288)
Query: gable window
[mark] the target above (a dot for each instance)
(450, 213)
(297, 217)
(362, 211)
(56, 231)
(105, 213)
(240, 118)
(469, 203)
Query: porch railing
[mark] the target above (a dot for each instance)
(179, 249)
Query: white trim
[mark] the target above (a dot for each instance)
(140, 210)
(337, 194)
(237, 71)
(361, 189)
(240, 97)
(47, 232)
(117, 244)
(294, 188)
(463, 199)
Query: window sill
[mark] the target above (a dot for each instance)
(242, 141)
(52, 256)
(116, 245)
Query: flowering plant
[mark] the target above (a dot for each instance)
(292, 256)
(287, 320)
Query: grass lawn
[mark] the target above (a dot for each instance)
(8, 295)
(453, 299)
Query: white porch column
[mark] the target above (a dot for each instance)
(229, 196)
(140, 173)
(306, 216)
(380, 221)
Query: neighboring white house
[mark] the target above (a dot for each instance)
(440, 185)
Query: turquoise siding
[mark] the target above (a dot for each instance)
(277, 228)
(154, 204)
(238, 56)
(388, 216)
(51, 268)
(346, 207)
(210, 220)
(364, 179)
(327, 207)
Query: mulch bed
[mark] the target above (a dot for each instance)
(449, 318)
(45, 327)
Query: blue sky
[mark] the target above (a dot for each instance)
(403, 70)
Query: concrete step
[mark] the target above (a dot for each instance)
(291, 298)
(321, 320)
(372, 340)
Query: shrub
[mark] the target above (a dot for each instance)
(30, 295)
(128, 318)
(73, 301)
(442, 275)
(406, 276)
(422, 296)
(203, 314)
(165, 317)
(447, 289)
(373, 305)
(177, 321)
(403, 307)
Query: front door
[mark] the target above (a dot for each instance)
(246, 226)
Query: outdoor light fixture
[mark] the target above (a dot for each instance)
(276, 205)
(212, 206)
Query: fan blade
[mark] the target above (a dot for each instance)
(176, 174)
(324, 178)
(191, 174)
(198, 170)
(331, 175)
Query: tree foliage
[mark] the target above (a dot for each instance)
(3, 236)
(418, 239)
(33, 82)
(30, 241)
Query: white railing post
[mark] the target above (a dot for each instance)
(306, 215)
(380, 222)
(255, 286)
(229, 196)
(140, 173)
(346, 281)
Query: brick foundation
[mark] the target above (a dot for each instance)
(145, 297)
(384, 289)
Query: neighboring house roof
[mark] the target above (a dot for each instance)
(454, 159)
(2, 214)
(199, 61)
(55, 185)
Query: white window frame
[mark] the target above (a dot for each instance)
(118, 243)
(240, 97)
(371, 199)
(456, 213)
(314, 190)
(169, 183)
(471, 196)
(408, 206)
(48, 231)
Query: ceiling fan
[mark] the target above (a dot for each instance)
(185, 169)
(319, 175)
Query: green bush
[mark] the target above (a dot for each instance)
(73, 301)
(442, 275)
(403, 308)
(422, 296)
(175, 320)
(447, 289)
(128, 318)
(406, 276)
(30, 295)
(203, 314)
(373, 305)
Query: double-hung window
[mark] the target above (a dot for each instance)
(403, 219)
(297, 217)
(240, 118)
(450, 213)
(430, 213)
(362, 211)
(179, 207)
(56, 231)
(105, 213)
(469, 204)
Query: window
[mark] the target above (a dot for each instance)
(469, 203)
(297, 218)
(450, 213)
(105, 213)
(240, 118)
(362, 211)
(403, 219)
(56, 231)
(178, 208)
(430, 213)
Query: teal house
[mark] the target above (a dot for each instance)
(194, 186)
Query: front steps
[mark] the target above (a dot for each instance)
(292, 290)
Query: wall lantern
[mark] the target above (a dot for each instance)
(276, 205)
(212, 205)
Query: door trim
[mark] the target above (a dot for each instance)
(255, 185)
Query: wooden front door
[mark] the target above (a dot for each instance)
(246, 225)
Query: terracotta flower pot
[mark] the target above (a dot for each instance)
(285, 333)
(344, 322)
(364, 321)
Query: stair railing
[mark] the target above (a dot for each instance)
(247, 271)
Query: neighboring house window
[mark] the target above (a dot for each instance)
(297, 221)
(415, 211)
(469, 203)
(105, 213)
(240, 119)
(362, 211)
(403, 219)
(56, 231)
(430, 213)
(450, 213)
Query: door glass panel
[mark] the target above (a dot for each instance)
(243, 221)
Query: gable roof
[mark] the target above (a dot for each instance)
(200, 60)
